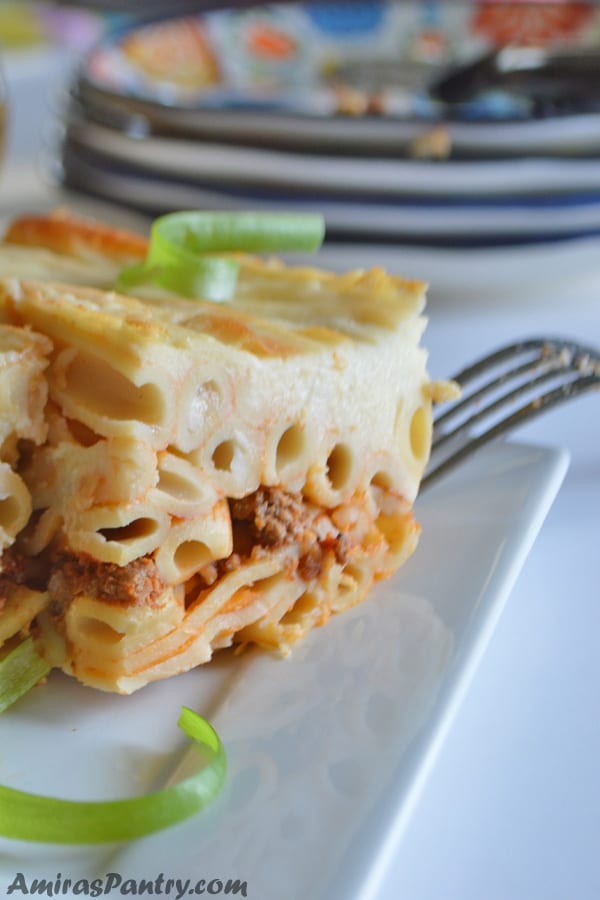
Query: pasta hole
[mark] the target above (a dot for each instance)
(97, 630)
(139, 528)
(420, 433)
(81, 434)
(191, 556)
(395, 529)
(339, 466)
(10, 512)
(291, 446)
(382, 480)
(223, 456)
(104, 391)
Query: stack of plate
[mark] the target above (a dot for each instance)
(328, 106)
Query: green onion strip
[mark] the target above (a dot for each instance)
(183, 255)
(33, 817)
(20, 670)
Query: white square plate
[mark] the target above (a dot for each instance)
(326, 749)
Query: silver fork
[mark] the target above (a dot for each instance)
(503, 390)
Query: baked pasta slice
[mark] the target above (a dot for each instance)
(213, 474)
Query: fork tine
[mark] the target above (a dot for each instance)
(544, 347)
(523, 414)
(503, 400)
(544, 354)
(576, 369)
(468, 399)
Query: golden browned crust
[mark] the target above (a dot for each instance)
(67, 234)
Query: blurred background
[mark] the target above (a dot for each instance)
(483, 119)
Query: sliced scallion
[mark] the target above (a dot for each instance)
(185, 247)
(222, 232)
(34, 817)
(20, 670)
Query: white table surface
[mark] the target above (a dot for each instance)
(511, 809)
